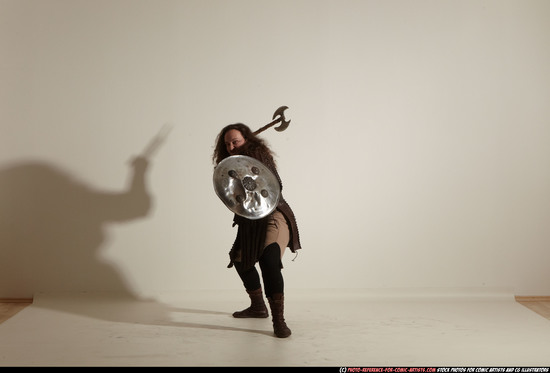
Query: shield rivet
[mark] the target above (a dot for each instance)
(249, 183)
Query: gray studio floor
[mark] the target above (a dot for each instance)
(330, 328)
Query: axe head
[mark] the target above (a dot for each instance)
(284, 123)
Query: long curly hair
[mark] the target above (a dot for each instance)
(253, 146)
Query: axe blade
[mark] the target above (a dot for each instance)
(284, 123)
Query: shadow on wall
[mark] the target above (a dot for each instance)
(52, 226)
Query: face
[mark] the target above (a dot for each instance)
(233, 139)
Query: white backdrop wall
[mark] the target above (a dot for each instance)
(417, 155)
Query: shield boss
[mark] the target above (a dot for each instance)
(246, 186)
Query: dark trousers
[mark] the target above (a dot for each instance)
(270, 265)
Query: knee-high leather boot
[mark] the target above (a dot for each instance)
(277, 305)
(257, 307)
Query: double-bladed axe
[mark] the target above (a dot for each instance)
(280, 113)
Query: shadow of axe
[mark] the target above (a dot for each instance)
(156, 141)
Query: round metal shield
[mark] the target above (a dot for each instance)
(246, 186)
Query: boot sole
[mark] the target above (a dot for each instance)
(251, 317)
